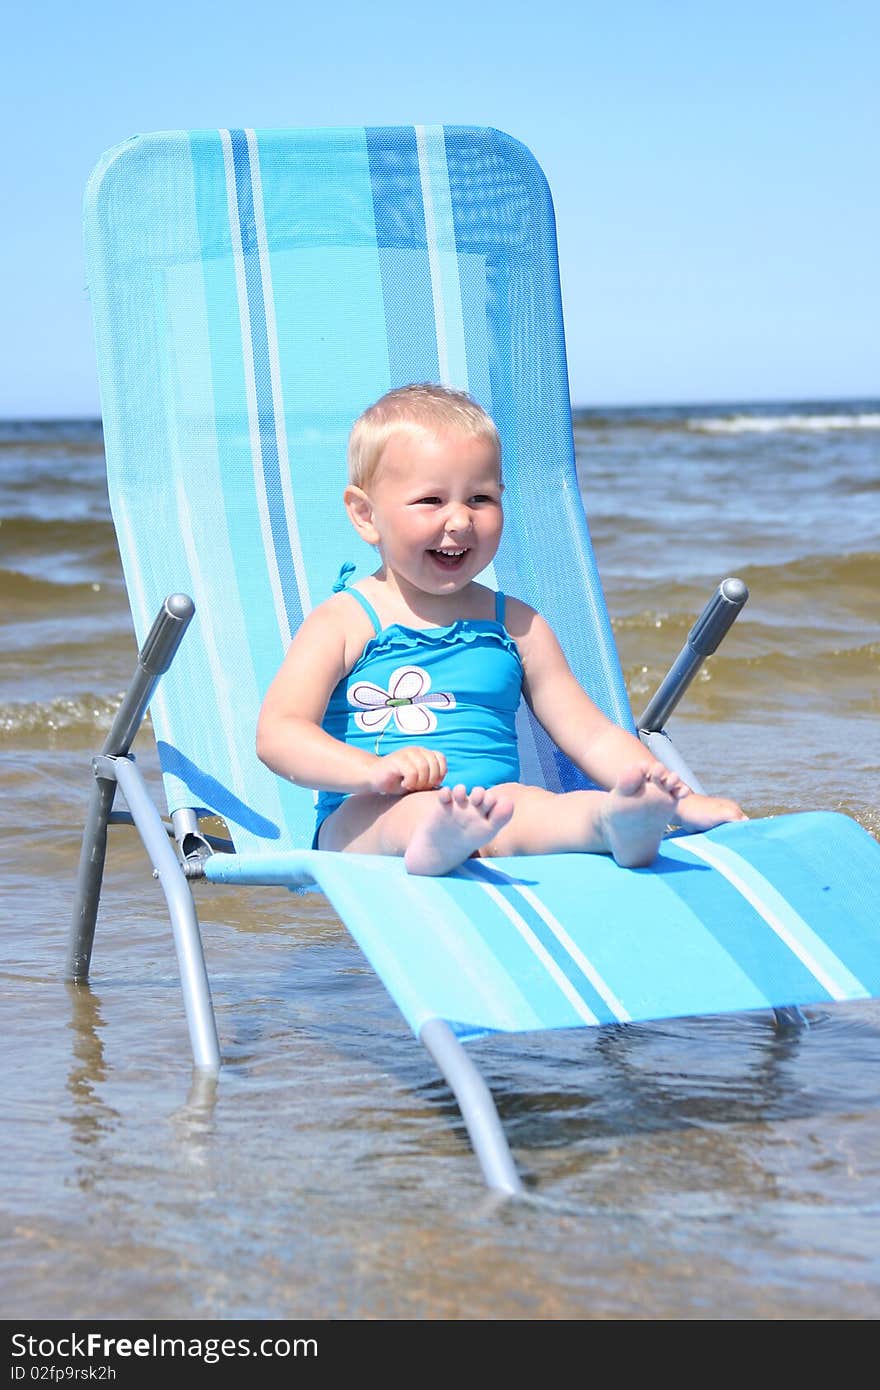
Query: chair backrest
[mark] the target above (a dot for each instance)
(252, 292)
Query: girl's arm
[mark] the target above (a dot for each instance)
(595, 744)
(290, 739)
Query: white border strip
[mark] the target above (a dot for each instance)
(788, 925)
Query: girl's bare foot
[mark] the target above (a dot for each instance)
(697, 812)
(458, 824)
(637, 812)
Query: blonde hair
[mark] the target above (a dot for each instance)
(417, 409)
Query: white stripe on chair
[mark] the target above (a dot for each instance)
(251, 390)
(302, 582)
(207, 617)
(780, 916)
(602, 988)
(553, 970)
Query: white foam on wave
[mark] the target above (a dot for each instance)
(59, 715)
(770, 424)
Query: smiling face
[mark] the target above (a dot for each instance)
(433, 509)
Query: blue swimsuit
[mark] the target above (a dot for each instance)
(455, 689)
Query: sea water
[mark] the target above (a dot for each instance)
(713, 1168)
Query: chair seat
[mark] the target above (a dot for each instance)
(751, 915)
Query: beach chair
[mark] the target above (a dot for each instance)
(252, 292)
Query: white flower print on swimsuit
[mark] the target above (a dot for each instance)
(407, 700)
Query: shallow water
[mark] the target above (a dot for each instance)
(695, 1169)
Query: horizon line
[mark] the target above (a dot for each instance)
(707, 404)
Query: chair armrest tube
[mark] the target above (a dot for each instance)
(659, 743)
(711, 626)
(719, 615)
(154, 658)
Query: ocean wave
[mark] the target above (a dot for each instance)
(822, 581)
(92, 714)
(744, 688)
(825, 577)
(48, 435)
(87, 535)
(77, 721)
(784, 424)
(64, 587)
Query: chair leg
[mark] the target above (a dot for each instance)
(476, 1105)
(791, 1018)
(89, 878)
(184, 922)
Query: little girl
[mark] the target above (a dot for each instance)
(397, 697)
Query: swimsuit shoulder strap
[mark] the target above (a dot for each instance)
(367, 607)
(499, 607)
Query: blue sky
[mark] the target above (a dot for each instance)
(714, 166)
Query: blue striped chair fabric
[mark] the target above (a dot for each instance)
(252, 292)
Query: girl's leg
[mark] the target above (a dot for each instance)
(629, 821)
(438, 830)
(433, 831)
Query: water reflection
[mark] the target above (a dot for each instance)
(91, 1116)
(737, 1069)
(585, 1091)
(193, 1123)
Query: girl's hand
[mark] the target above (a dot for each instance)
(408, 770)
